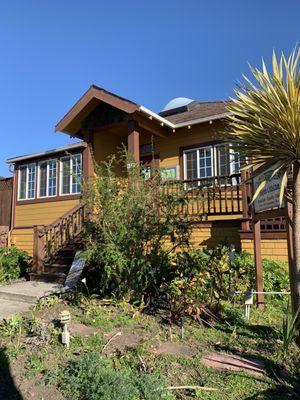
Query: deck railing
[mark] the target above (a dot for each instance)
(49, 239)
(209, 196)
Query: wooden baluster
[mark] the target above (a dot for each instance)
(238, 197)
(214, 195)
(232, 195)
(225, 195)
(219, 180)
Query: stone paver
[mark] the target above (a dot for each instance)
(231, 362)
(176, 349)
(18, 297)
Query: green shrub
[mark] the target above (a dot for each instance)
(14, 263)
(207, 276)
(93, 377)
(134, 227)
(275, 276)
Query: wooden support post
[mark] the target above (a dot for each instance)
(245, 202)
(258, 263)
(134, 140)
(290, 247)
(38, 249)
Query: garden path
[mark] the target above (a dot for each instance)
(18, 297)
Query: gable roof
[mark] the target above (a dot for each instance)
(70, 123)
(199, 113)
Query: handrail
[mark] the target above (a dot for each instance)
(49, 239)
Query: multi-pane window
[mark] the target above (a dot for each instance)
(210, 161)
(27, 181)
(42, 179)
(71, 174)
(228, 160)
(198, 163)
(47, 178)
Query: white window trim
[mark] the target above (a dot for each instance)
(215, 161)
(27, 176)
(231, 157)
(47, 179)
(198, 162)
(71, 167)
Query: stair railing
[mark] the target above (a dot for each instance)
(49, 239)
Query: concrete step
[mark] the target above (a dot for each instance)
(54, 268)
(54, 277)
(28, 292)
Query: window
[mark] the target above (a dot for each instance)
(210, 161)
(71, 174)
(228, 160)
(198, 163)
(27, 182)
(47, 186)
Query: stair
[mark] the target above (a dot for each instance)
(55, 246)
(56, 270)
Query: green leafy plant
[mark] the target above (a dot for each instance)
(14, 263)
(290, 325)
(93, 377)
(35, 364)
(12, 325)
(134, 227)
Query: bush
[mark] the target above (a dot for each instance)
(92, 377)
(133, 229)
(14, 263)
(275, 276)
(204, 277)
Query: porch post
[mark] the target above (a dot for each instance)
(258, 262)
(133, 140)
(290, 247)
(38, 249)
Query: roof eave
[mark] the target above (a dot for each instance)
(46, 153)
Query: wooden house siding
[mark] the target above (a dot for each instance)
(28, 215)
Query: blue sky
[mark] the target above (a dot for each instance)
(147, 51)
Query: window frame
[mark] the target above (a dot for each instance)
(47, 179)
(215, 164)
(27, 181)
(70, 175)
(197, 149)
(231, 159)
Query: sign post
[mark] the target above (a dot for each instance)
(266, 206)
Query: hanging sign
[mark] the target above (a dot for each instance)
(269, 196)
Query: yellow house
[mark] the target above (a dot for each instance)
(184, 140)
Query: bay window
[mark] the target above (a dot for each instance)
(50, 178)
(27, 181)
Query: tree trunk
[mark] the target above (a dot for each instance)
(295, 276)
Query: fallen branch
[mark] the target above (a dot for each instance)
(115, 335)
(142, 361)
(208, 389)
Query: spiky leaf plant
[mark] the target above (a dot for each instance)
(265, 125)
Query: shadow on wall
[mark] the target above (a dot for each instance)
(224, 235)
(8, 390)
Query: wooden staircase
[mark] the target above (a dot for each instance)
(55, 246)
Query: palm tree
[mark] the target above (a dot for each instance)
(265, 126)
